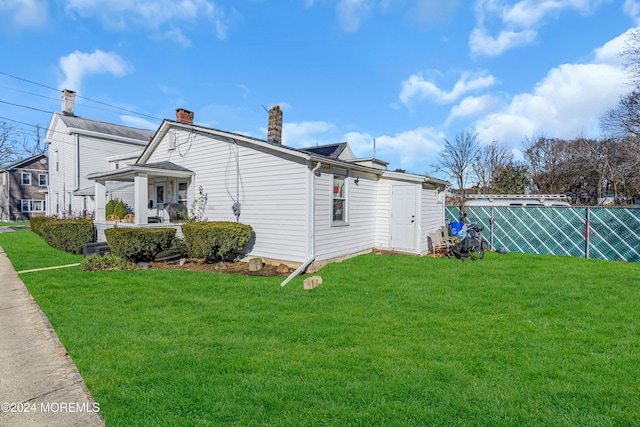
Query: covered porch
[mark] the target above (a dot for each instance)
(157, 186)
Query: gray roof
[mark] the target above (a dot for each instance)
(164, 166)
(111, 186)
(21, 162)
(106, 128)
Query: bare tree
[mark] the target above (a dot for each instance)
(489, 160)
(457, 157)
(8, 144)
(624, 120)
(632, 54)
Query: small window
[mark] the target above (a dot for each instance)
(339, 199)
(56, 158)
(42, 180)
(26, 178)
(32, 205)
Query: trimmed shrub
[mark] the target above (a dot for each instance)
(67, 235)
(36, 223)
(120, 209)
(107, 261)
(215, 240)
(110, 207)
(139, 244)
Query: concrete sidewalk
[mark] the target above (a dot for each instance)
(39, 383)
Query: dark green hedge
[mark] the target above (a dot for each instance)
(36, 223)
(66, 234)
(215, 240)
(139, 244)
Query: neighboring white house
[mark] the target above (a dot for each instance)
(78, 147)
(304, 205)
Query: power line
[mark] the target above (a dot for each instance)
(78, 96)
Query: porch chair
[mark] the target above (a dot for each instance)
(129, 218)
(113, 217)
(439, 244)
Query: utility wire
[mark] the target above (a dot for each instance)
(79, 96)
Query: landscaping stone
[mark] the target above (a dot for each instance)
(143, 265)
(221, 266)
(312, 282)
(282, 269)
(255, 264)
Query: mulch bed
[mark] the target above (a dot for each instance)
(231, 267)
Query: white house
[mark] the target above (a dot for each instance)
(305, 205)
(78, 147)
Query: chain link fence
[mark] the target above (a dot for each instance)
(589, 232)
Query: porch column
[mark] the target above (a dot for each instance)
(141, 196)
(101, 200)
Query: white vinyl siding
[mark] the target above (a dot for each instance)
(432, 210)
(359, 234)
(272, 190)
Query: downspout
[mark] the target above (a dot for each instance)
(312, 257)
(77, 162)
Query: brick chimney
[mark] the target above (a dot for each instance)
(274, 130)
(184, 116)
(68, 99)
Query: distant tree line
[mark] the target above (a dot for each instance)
(584, 168)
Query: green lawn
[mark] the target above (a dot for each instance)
(394, 341)
(13, 223)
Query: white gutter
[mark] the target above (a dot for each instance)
(312, 257)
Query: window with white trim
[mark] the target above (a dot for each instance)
(43, 180)
(339, 199)
(32, 205)
(26, 178)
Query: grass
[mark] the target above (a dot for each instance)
(13, 223)
(514, 339)
(27, 250)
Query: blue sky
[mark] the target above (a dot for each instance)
(408, 73)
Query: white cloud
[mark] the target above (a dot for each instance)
(176, 35)
(78, 65)
(567, 103)
(416, 87)
(138, 122)
(151, 14)
(518, 21)
(22, 14)
(416, 148)
(472, 106)
(351, 13)
(632, 8)
(481, 43)
(307, 134)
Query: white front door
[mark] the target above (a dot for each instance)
(403, 217)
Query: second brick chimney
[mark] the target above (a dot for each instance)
(68, 100)
(184, 116)
(274, 129)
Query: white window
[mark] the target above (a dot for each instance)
(339, 200)
(32, 205)
(26, 178)
(56, 158)
(43, 180)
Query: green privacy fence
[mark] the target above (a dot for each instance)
(593, 232)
